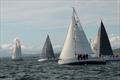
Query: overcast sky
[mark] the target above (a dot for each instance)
(32, 20)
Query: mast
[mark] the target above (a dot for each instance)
(74, 33)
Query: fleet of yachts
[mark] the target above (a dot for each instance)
(76, 48)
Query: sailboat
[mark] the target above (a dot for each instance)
(17, 54)
(47, 51)
(102, 46)
(76, 49)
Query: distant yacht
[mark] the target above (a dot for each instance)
(17, 54)
(47, 51)
(102, 46)
(76, 49)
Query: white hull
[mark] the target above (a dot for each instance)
(41, 60)
(87, 61)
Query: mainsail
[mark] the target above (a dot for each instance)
(47, 51)
(102, 44)
(76, 41)
(95, 44)
(17, 54)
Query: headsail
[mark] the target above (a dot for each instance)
(47, 51)
(102, 44)
(17, 54)
(76, 41)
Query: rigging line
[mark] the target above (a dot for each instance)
(0, 35)
(0, 27)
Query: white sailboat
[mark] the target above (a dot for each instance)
(102, 46)
(76, 49)
(47, 51)
(17, 54)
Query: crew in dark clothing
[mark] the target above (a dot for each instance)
(82, 57)
(87, 56)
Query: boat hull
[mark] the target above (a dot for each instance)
(41, 60)
(81, 62)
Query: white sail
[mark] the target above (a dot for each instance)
(96, 43)
(47, 51)
(76, 41)
(17, 55)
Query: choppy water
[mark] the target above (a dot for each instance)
(33, 70)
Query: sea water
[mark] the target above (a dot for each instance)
(31, 69)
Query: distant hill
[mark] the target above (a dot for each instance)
(117, 51)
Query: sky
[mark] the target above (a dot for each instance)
(32, 20)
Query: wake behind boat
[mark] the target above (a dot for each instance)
(76, 49)
(47, 51)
